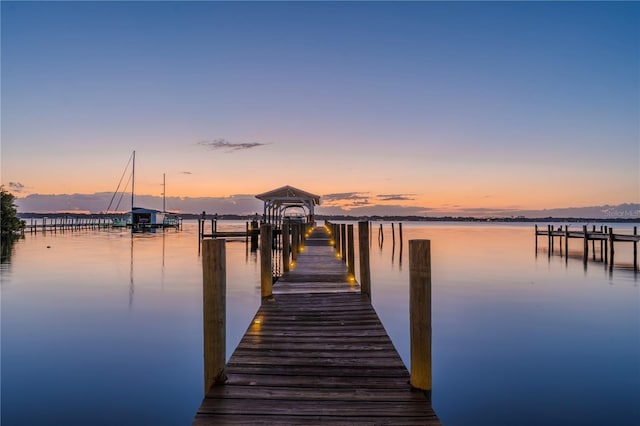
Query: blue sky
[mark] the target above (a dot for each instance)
(453, 105)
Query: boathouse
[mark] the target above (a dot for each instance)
(141, 217)
(282, 201)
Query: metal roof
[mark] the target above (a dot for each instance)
(289, 195)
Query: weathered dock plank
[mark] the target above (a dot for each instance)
(316, 352)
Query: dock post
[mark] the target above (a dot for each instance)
(566, 241)
(334, 234)
(550, 239)
(606, 247)
(593, 245)
(635, 249)
(380, 235)
(560, 239)
(365, 267)
(266, 276)
(420, 313)
(351, 253)
(585, 255)
(214, 288)
(400, 231)
(611, 249)
(336, 238)
(343, 242)
(536, 229)
(393, 234)
(294, 242)
(254, 235)
(285, 247)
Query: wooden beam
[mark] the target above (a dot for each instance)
(420, 313)
(365, 267)
(266, 276)
(214, 284)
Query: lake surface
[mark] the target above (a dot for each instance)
(99, 327)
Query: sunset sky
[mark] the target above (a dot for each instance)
(446, 106)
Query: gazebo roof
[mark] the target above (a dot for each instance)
(289, 195)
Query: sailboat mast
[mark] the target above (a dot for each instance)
(133, 179)
(164, 193)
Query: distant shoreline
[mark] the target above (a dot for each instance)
(376, 218)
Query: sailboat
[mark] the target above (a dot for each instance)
(170, 220)
(142, 219)
(123, 221)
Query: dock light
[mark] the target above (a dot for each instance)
(257, 323)
(332, 242)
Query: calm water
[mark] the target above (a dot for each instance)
(102, 328)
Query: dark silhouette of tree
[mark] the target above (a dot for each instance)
(8, 216)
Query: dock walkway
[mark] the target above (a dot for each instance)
(316, 352)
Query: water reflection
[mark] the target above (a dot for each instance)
(521, 325)
(132, 287)
(7, 248)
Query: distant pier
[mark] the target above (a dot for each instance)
(604, 235)
(75, 223)
(61, 224)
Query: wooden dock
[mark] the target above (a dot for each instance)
(315, 352)
(66, 223)
(605, 236)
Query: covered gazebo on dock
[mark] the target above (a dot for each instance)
(278, 201)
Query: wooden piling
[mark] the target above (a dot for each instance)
(611, 249)
(635, 250)
(585, 255)
(294, 242)
(254, 235)
(393, 234)
(351, 267)
(420, 313)
(285, 247)
(266, 275)
(606, 247)
(214, 284)
(400, 232)
(365, 267)
(343, 242)
(593, 245)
